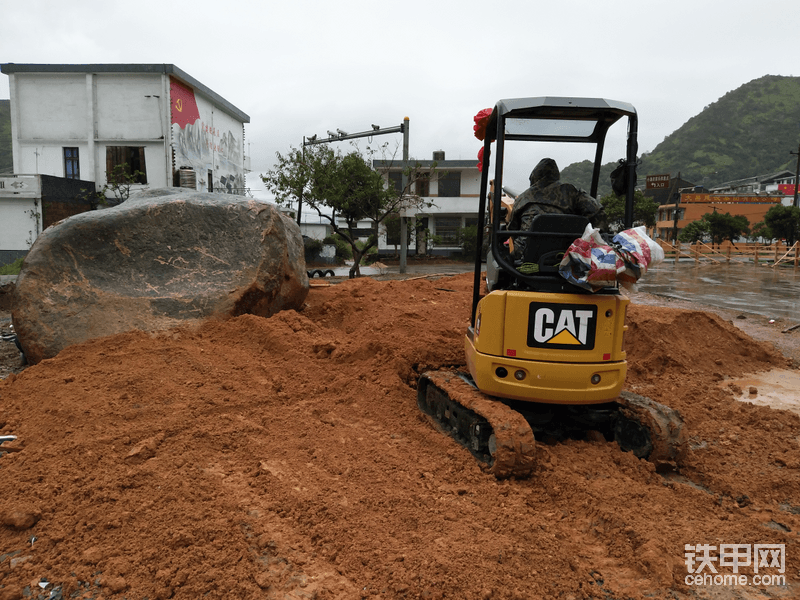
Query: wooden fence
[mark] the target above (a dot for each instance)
(773, 255)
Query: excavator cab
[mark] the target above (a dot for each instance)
(545, 356)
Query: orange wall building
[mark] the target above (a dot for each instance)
(692, 207)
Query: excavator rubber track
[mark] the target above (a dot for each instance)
(650, 430)
(496, 435)
(503, 437)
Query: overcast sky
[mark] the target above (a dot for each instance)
(304, 67)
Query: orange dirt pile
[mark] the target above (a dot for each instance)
(286, 458)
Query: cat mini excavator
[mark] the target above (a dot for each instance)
(545, 357)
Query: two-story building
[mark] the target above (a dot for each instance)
(77, 128)
(451, 187)
(83, 121)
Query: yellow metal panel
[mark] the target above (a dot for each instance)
(491, 314)
(548, 382)
(574, 338)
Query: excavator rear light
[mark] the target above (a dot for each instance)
(519, 375)
(501, 372)
(596, 379)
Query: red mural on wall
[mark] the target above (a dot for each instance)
(184, 105)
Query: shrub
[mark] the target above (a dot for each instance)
(343, 250)
(12, 268)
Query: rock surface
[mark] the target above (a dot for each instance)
(164, 257)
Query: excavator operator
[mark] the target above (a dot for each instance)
(548, 195)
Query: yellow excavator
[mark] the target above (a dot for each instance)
(544, 356)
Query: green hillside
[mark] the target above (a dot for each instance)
(6, 164)
(747, 132)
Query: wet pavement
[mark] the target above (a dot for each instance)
(762, 290)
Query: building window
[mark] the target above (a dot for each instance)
(396, 181)
(450, 184)
(72, 169)
(447, 231)
(423, 185)
(127, 160)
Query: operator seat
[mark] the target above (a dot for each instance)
(553, 233)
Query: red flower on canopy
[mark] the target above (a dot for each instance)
(480, 159)
(481, 120)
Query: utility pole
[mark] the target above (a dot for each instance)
(403, 184)
(302, 185)
(676, 195)
(796, 176)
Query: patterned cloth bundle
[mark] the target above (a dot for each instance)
(593, 264)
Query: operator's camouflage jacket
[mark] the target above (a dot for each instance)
(548, 195)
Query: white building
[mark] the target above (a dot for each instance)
(781, 182)
(453, 188)
(82, 121)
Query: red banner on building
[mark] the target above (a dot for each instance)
(184, 105)
(786, 188)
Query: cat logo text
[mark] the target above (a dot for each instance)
(562, 326)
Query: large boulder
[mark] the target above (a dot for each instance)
(160, 259)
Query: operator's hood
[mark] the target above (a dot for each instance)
(545, 173)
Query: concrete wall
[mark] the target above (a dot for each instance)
(212, 143)
(90, 112)
(316, 231)
(18, 226)
(20, 215)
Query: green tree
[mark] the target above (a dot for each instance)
(724, 226)
(340, 188)
(761, 231)
(784, 222)
(644, 210)
(718, 226)
(694, 231)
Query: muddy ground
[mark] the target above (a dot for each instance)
(286, 458)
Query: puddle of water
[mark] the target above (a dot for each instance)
(778, 388)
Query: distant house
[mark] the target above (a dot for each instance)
(83, 121)
(750, 197)
(693, 206)
(759, 184)
(452, 186)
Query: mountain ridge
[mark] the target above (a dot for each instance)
(748, 132)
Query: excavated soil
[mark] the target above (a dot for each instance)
(286, 458)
